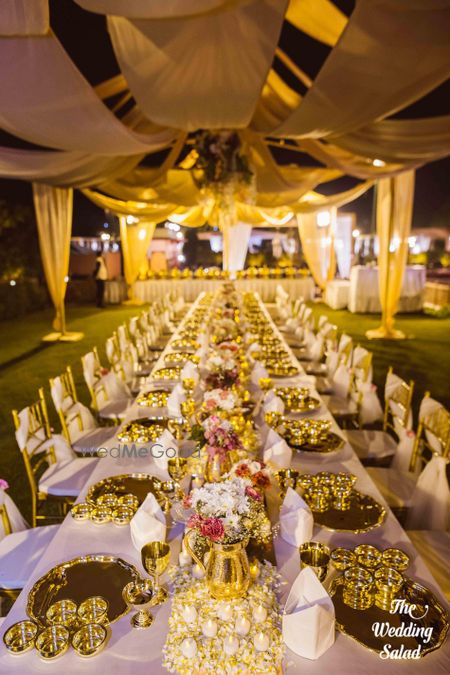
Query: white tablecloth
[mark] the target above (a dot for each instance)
(364, 293)
(155, 289)
(115, 292)
(132, 652)
(337, 293)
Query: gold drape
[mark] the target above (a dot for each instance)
(318, 246)
(318, 18)
(53, 208)
(135, 240)
(394, 213)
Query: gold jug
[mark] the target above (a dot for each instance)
(227, 571)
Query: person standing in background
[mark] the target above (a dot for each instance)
(100, 275)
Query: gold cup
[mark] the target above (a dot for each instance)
(109, 499)
(265, 383)
(342, 498)
(94, 610)
(140, 595)
(388, 583)
(155, 559)
(325, 478)
(122, 515)
(273, 419)
(287, 478)
(368, 556)
(52, 642)
(343, 479)
(188, 385)
(358, 583)
(90, 639)
(315, 555)
(20, 637)
(342, 558)
(130, 500)
(306, 480)
(101, 515)
(63, 612)
(395, 558)
(318, 498)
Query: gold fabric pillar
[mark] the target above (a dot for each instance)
(54, 208)
(394, 206)
(135, 241)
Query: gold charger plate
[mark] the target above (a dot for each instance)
(143, 430)
(331, 443)
(138, 484)
(363, 515)
(79, 579)
(357, 623)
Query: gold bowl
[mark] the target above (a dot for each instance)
(357, 591)
(109, 499)
(63, 612)
(81, 511)
(20, 637)
(53, 642)
(101, 515)
(395, 558)
(123, 515)
(315, 555)
(368, 556)
(129, 500)
(342, 558)
(90, 639)
(94, 610)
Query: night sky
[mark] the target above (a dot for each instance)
(94, 56)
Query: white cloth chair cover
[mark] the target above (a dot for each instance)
(360, 353)
(317, 350)
(403, 453)
(16, 520)
(62, 449)
(332, 362)
(342, 380)
(430, 502)
(370, 406)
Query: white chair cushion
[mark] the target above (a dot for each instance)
(66, 479)
(376, 444)
(434, 547)
(396, 486)
(115, 409)
(20, 552)
(89, 443)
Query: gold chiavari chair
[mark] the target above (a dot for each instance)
(377, 447)
(433, 435)
(39, 456)
(106, 407)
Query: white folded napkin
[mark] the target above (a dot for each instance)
(258, 372)
(309, 618)
(279, 455)
(296, 520)
(190, 370)
(273, 403)
(148, 523)
(271, 438)
(174, 401)
(165, 448)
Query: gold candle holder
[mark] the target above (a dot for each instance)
(315, 555)
(368, 556)
(358, 583)
(388, 583)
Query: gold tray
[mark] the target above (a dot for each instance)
(363, 515)
(333, 442)
(357, 623)
(143, 430)
(172, 373)
(138, 484)
(155, 398)
(79, 579)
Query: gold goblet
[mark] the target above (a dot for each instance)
(188, 385)
(155, 559)
(140, 595)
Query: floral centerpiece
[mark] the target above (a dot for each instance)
(223, 372)
(228, 512)
(256, 472)
(220, 399)
(225, 330)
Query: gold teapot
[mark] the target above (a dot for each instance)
(227, 571)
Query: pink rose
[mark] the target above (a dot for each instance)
(194, 521)
(213, 529)
(4, 485)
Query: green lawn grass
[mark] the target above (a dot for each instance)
(26, 364)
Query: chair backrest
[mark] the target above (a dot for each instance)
(123, 337)
(362, 363)
(345, 347)
(433, 431)
(64, 396)
(398, 399)
(323, 319)
(93, 378)
(33, 434)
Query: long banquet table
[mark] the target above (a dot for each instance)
(135, 652)
(155, 289)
